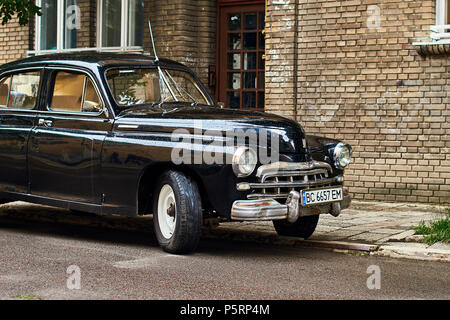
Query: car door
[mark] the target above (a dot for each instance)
(19, 96)
(65, 146)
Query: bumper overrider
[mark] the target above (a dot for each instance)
(285, 182)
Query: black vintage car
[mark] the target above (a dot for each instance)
(130, 135)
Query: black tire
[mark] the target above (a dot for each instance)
(187, 212)
(304, 227)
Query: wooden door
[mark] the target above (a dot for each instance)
(241, 48)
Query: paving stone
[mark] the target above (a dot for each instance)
(402, 236)
(440, 246)
(342, 234)
(367, 237)
(321, 228)
(389, 231)
(415, 238)
(362, 228)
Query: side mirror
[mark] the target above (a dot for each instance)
(221, 105)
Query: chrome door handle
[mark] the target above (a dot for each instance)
(45, 123)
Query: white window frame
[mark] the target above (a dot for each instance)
(441, 31)
(60, 32)
(123, 29)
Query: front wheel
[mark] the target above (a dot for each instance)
(304, 227)
(177, 213)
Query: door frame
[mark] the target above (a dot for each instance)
(220, 5)
(103, 120)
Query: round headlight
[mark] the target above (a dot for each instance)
(342, 155)
(244, 162)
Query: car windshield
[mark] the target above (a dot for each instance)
(132, 87)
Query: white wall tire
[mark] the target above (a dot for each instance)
(167, 211)
(177, 213)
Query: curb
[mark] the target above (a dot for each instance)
(415, 251)
(272, 238)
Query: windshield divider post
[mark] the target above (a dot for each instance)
(153, 41)
(161, 75)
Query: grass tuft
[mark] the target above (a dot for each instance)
(436, 231)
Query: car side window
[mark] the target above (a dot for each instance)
(20, 91)
(74, 92)
(5, 84)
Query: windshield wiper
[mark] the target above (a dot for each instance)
(126, 109)
(179, 90)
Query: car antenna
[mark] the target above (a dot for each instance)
(161, 74)
(153, 41)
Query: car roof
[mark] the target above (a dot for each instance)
(90, 59)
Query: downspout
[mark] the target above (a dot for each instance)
(265, 49)
(295, 59)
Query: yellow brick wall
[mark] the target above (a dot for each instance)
(15, 41)
(185, 31)
(366, 84)
(328, 67)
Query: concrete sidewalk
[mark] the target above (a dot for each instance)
(368, 222)
(376, 228)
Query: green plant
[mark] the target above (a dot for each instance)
(24, 9)
(436, 231)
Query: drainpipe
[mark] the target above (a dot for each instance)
(295, 59)
(265, 49)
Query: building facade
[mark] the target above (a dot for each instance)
(375, 73)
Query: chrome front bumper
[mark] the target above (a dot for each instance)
(270, 209)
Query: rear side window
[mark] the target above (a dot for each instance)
(5, 84)
(74, 92)
(20, 91)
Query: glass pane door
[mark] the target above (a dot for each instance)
(241, 73)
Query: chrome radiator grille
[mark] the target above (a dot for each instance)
(278, 179)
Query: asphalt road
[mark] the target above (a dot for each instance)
(115, 264)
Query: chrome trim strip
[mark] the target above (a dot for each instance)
(258, 210)
(127, 126)
(269, 209)
(293, 184)
(295, 174)
(280, 167)
(253, 196)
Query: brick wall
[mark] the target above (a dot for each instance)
(281, 65)
(185, 31)
(86, 35)
(333, 69)
(15, 40)
(366, 83)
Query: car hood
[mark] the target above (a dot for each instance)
(206, 120)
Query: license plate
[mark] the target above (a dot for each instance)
(321, 196)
